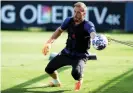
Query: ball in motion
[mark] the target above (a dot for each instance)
(100, 42)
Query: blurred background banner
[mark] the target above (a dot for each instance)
(50, 14)
(129, 17)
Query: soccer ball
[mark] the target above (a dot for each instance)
(100, 42)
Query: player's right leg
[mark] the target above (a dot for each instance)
(56, 81)
(53, 65)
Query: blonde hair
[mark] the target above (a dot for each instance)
(82, 5)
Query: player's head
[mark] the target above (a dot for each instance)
(79, 11)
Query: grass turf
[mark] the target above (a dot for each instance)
(23, 65)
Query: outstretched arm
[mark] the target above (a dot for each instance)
(47, 45)
(55, 35)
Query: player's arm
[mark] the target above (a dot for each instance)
(90, 28)
(55, 35)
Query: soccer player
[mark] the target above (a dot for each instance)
(75, 52)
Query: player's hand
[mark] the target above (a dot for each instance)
(46, 48)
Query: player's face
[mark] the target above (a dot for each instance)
(78, 14)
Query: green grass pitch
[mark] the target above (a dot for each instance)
(23, 65)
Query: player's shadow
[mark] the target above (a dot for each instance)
(26, 90)
(120, 84)
(21, 87)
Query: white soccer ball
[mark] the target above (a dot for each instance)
(100, 42)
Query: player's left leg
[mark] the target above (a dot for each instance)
(77, 73)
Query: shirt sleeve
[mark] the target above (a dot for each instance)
(64, 25)
(89, 27)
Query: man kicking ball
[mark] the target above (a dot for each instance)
(75, 52)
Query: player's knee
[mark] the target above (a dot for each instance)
(48, 70)
(76, 74)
